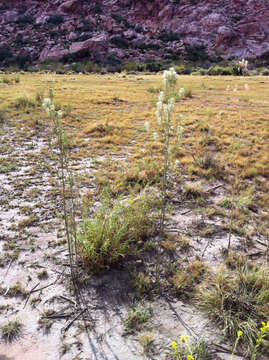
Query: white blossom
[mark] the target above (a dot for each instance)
(147, 126)
(161, 96)
(181, 92)
(159, 105)
(170, 105)
(46, 103)
(60, 113)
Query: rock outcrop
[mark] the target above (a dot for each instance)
(133, 29)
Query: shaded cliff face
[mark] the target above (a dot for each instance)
(133, 29)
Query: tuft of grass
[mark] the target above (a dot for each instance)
(234, 260)
(185, 279)
(238, 301)
(154, 90)
(11, 330)
(17, 290)
(6, 80)
(226, 203)
(194, 190)
(23, 102)
(43, 274)
(147, 342)
(7, 168)
(137, 319)
(114, 231)
(142, 283)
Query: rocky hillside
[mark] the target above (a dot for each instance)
(132, 29)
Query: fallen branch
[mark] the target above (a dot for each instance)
(73, 320)
(11, 261)
(215, 188)
(42, 288)
(57, 316)
(29, 294)
(261, 243)
(190, 330)
(66, 298)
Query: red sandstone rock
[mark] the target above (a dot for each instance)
(238, 27)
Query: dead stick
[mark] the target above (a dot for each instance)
(190, 330)
(29, 294)
(261, 243)
(56, 316)
(186, 212)
(11, 261)
(66, 298)
(73, 320)
(44, 287)
(214, 188)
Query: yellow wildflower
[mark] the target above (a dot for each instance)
(189, 357)
(184, 338)
(239, 333)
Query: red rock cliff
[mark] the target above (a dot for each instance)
(138, 29)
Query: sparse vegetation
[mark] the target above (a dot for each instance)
(115, 150)
(137, 319)
(11, 330)
(115, 229)
(238, 300)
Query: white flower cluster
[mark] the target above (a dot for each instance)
(170, 77)
(243, 66)
(49, 107)
(166, 103)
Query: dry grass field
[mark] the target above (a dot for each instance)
(218, 189)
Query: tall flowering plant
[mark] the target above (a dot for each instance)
(66, 179)
(169, 126)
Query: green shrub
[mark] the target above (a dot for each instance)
(86, 27)
(25, 19)
(120, 19)
(55, 20)
(196, 52)
(6, 80)
(169, 36)
(182, 69)
(120, 42)
(219, 70)
(145, 46)
(108, 236)
(77, 67)
(130, 66)
(91, 67)
(155, 66)
(5, 53)
(111, 60)
(22, 61)
(265, 72)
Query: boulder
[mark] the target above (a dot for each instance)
(68, 7)
(98, 42)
